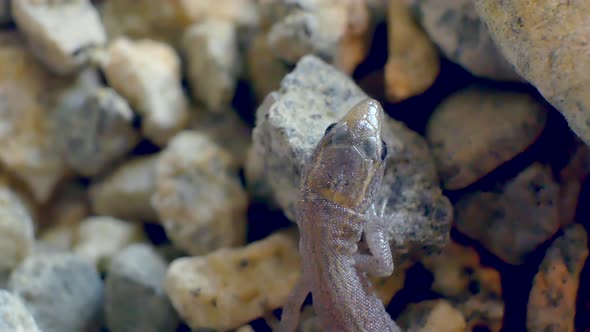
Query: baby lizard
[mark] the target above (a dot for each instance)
(338, 184)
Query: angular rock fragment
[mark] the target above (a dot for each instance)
(478, 129)
(513, 219)
(552, 301)
(94, 129)
(336, 31)
(127, 191)
(99, 238)
(147, 73)
(292, 120)
(555, 59)
(62, 34)
(28, 94)
(265, 71)
(413, 62)
(210, 292)
(213, 62)
(62, 291)
(226, 129)
(199, 197)
(432, 315)
(463, 37)
(16, 228)
(14, 316)
(473, 289)
(135, 299)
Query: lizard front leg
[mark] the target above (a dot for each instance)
(380, 262)
(292, 308)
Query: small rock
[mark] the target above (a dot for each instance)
(135, 299)
(94, 129)
(245, 328)
(555, 59)
(16, 228)
(571, 177)
(513, 219)
(14, 316)
(473, 289)
(226, 129)
(99, 238)
(126, 192)
(463, 37)
(28, 94)
(199, 197)
(147, 73)
(413, 64)
(213, 62)
(265, 71)
(209, 291)
(478, 129)
(62, 291)
(334, 31)
(62, 34)
(291, 121)
(552, 301)
(432, 315)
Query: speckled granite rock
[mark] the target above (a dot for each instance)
(413, 60)
(552, 301)
(147, 73)
(291, 121)
(62, 34)
(199, 198)
(473, 289)
(432, 315)
(62, 291)
(14, 316)
(134, 292)
(555, 59)
(462, 36)
(126, 192)
(477, 129)
(513, 219)
(209, 291)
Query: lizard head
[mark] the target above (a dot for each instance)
(347, 164)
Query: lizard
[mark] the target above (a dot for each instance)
(338, 184)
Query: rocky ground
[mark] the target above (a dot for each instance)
(150, 156)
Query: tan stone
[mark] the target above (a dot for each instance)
(432, 315)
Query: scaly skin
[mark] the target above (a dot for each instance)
(338, 185)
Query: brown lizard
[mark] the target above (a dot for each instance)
(338, 185)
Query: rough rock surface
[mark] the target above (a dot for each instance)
(477, 129)
(126, 192)
(16, 228)
(135, 299)
(62, 291)
(147, 73)
(209, 291)
(28, 94)
(432, 315)
(14, 316)
(291, 121)
(62, 34)
(99, 238)
(555, 59)
(552, 301)
(513, 219)
(336, 31)
(199, 198)
(94, 129)
(213, 62)
(463, 37)
(413, 62)
(473, 289)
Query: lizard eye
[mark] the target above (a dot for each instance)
(329, 128)
(383, 151)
